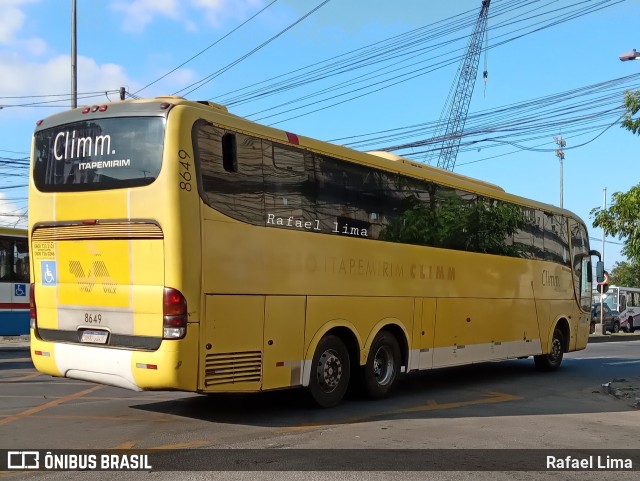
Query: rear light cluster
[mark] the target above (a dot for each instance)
(33, 312)
(95, 108)
(174, 310)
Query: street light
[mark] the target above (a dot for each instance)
(633, 55)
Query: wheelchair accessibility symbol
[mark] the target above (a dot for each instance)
(49, 274)
(20, 290)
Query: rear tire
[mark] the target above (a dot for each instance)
(551, 361)
(330, 372)
(383, 364)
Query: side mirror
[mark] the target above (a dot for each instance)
(600, 271)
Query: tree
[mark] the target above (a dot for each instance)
(626, 274)
(632, 104)
(622, 219)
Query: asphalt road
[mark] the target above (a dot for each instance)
(588, 404)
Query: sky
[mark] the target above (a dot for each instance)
(538, 52)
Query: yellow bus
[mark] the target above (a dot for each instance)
(179, 247)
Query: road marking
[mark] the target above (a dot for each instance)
(126, 445)
(28, 412)
(621, 362)
(17, 359)
(21, 378)
(185, 445)
(162, 418)
(430, 405)
(491, 398)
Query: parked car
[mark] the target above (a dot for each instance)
(610, 319)
(625, 326)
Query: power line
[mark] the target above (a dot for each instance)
(209, 78)
(582, 110)
(205, 49)
(393, 52)
(47, 103)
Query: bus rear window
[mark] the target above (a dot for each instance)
(98, 154)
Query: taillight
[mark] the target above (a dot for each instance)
(174, 310)
(33, 313)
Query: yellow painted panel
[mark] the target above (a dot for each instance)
(363, 313)
(106, 204)
(231, 343)
(46, 363)
(427, 323)
(283, 341)
(177, 367)
(462, 322)
(94, 273)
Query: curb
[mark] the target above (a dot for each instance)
(613, 338)
(14, 343)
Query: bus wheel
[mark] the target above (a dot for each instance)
(329, 372)
(382, 365)
(552, 361)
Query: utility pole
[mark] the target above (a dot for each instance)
(601, 327)
(560, 154)
(74, 58)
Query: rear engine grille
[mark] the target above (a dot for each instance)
(233, 368)
(113, 230)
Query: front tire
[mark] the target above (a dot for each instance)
(330, 372)
(616, 327)
(383, 364)
(551, 361)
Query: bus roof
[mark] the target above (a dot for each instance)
(13, 231)
(377, 159)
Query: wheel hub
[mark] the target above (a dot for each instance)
(329, 370)
(383, 365)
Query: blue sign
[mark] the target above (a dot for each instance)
(49, 273)
(20, 290)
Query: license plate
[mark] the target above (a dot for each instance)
(96, 337)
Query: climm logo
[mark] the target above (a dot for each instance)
(81, 147)
(549, 280)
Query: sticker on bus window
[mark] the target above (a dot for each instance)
(49, 274)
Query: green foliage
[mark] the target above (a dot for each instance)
(632, 104)
(455, 223)
(626, 273)
(622, 219)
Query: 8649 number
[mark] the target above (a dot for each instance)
(91, 318)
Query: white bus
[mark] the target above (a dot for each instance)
(625, 300)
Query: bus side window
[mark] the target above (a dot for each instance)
(229, 152)
(6, 259)
(623, 303)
